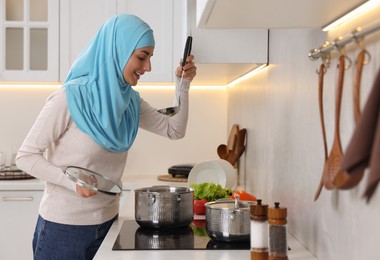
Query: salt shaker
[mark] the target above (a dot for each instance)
(278, 244)
(259, 231)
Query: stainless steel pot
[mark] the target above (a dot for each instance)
(228, 220)
(164, 206)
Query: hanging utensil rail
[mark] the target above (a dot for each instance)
(315, 54)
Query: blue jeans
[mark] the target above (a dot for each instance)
(54, 241)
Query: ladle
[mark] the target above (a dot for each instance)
(170, 111)
(322, 71)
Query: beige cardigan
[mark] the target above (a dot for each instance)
(54, 142)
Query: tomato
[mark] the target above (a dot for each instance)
(199, 223)
(243, 195)
(199, 206)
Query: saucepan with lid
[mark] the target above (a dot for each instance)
(164, 206)
(228, 220)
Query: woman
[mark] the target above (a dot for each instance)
(91, 122)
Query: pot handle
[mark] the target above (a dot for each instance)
(236, 206)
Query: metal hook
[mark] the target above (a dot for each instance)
(341, 50)
(360, 42)
(325, 56)
(349, 62)
(324, 70)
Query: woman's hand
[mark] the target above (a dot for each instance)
(190, 70)
(84, 192)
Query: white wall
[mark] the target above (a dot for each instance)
(150, 154)
(206, 129)
(284, 157)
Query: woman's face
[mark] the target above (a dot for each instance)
(138, 64)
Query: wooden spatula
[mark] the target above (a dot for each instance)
(343, 180)
(332, 166)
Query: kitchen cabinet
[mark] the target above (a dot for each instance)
(80, 20)
(18, 217)
(271, 13)
(29, 40)
(79, 26)
(43, 46)
(160, 17)
(225, 54)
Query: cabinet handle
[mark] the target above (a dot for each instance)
(17, 198)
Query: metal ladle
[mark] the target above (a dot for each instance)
(170, 111)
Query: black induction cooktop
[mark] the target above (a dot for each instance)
(194, 236)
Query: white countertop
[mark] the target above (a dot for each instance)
(131, 182)
(127, 213)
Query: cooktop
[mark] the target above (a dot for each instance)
(194, 236)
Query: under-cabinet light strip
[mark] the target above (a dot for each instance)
(357, 11)
(13, 85)
(316, 53)
(246, 76)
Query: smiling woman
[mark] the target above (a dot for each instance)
(91, 122)
(138, 64)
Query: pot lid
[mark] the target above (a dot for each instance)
(164, 189)
(229, 204)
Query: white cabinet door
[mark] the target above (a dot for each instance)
(29, 40)
(80, 20)
(159, 15)
(18, 217)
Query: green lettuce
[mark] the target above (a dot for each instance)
(210, 191)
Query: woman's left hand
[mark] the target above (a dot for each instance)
(84, 192)
(190, 70)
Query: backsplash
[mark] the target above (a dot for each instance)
(284, 156)
(150, 154)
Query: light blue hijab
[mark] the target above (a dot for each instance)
(101, 103)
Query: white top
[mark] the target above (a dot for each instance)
(54, 143)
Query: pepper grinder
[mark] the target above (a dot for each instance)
(259, 231)
(278, 244)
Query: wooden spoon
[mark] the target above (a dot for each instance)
(332, 165)
(343, 180)
(222, 151)
(322, 71)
